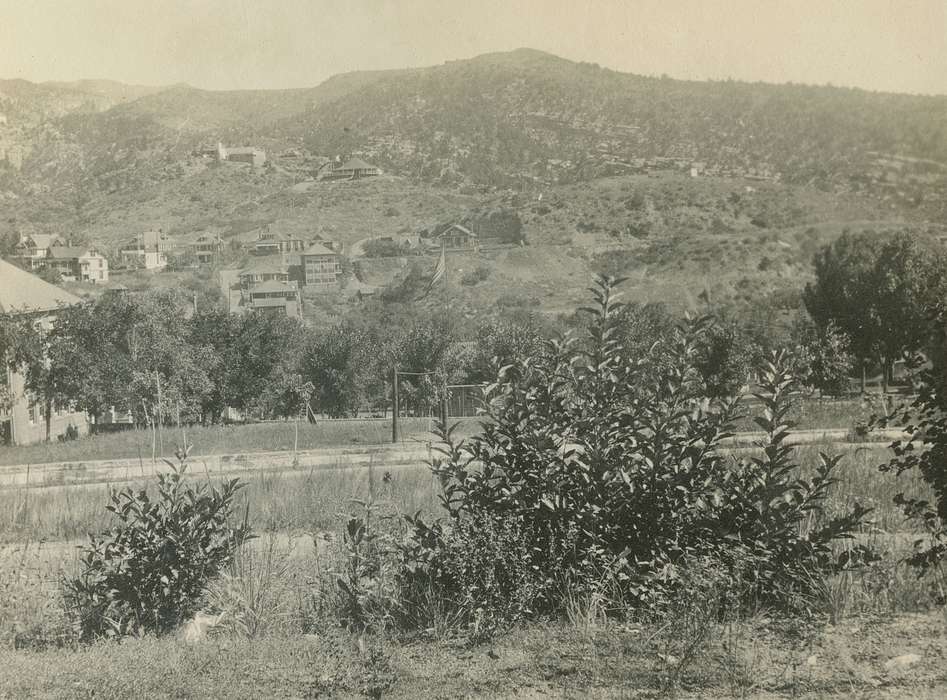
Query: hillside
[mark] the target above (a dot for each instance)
(720, 189)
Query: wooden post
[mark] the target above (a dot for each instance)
(444, 410)
(394, 405)
(160, 416)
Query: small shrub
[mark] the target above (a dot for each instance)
(475, 276)
(149, 572)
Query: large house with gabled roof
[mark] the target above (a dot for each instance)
(78, 264)
(22, 418)
(321, 268)
(354, 169)
(33, 249)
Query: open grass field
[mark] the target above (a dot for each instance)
(225, 439)
(279, 436)
(888, 638)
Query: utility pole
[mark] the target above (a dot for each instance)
(394, 405)
(160, 415)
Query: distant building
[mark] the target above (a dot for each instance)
(22, 418)
(148, 250)
(271, 244)
(457, 237)
(275, 297)
(321, 267)
(353, 169)
(206, 248)
(33, 249)
(272, 270)
(243, 154)
(78, 264)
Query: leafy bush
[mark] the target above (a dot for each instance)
(925, 419)
(148, 573)
(608, 470)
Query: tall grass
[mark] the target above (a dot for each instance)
(296, 501)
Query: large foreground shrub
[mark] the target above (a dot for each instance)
(148, 573)
(925, 419)
(604, 472)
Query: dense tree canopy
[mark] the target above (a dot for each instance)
(879, 291)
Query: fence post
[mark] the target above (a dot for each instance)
(394, 405)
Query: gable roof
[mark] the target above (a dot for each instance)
(266, 265)
(67, 252)
(318, 249)
(23, 292)
(42, 240)
(457, 227)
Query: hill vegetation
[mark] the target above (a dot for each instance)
(591, 167)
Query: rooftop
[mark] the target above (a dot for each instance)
(457, 227)
(42, 240)
(22, 292)
(67, 252)
(270, 264)
(356, 164)
(318, 249)
(272, 286)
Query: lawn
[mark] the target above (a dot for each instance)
(279, 435)
(224, 439)
(862, 658)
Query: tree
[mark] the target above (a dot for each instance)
(215, 331)
(880, 292)
(503, 342)
(419, 352)
(723, 360)
(824, 361)
(339, 364)
(909, 284)
(262, 345)
(49, 274)
(385, 248)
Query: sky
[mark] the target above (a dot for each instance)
(889, 45)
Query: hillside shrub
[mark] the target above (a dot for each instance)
(149, 572)
(611, 475)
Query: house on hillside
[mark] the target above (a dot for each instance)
(456, 237)
(250, 155)
(271, 270)
(22, 418)
(206, 248)
(353, 169)
(275, 297)
(78, 264)
(321, 268)
(32, 250)
(269, 243)
(148, 250)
